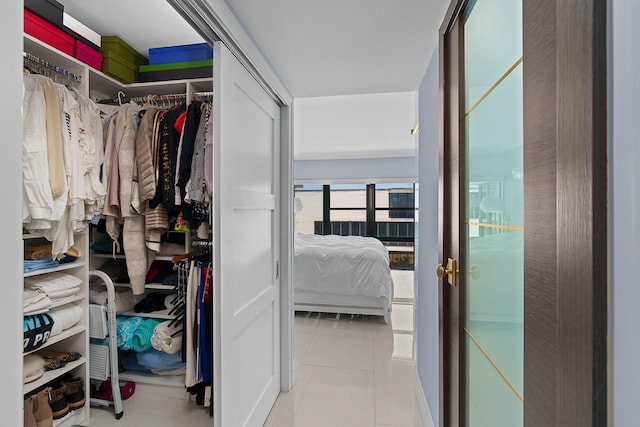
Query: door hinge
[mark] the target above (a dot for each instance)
(277, 270)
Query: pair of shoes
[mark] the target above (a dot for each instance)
(37, 412)
(57, 359)
(65, 396)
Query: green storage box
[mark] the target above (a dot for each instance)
(119, 68)
(176, 65)
(114, 46)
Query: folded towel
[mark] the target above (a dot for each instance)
(52, 282)
(63, 293)
(130, 363)
(34, 302)
(154, 359)
(124, 300)
(64, 317)
(125, 327)
(163, 340)
(141, 340)
(39, 264)
(175, 371)
(29, 296)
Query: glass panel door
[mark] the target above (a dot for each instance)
(493, 214)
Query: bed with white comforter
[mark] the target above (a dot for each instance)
(342, 274)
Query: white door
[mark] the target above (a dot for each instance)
(246, 139)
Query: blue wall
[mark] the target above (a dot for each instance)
(624, 202)
(426, 316)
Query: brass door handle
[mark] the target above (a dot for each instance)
(450, 270)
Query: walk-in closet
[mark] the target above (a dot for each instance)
(154, 220)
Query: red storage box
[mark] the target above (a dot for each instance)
(48, 33)
(87, 55)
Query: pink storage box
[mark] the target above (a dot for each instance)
(48, 33)
(88, 55)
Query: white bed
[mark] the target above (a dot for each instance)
(342, 274)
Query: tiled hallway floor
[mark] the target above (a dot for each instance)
(349, 374)
(353, 370)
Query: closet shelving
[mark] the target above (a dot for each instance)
(98, 85)
(167, 386)
(75, 338)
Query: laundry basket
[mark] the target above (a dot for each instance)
(103, 358)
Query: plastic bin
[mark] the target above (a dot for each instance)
(114, 46)
(180, 53)
(50, 10)
(176, 65)
(185, 73)
(118, 68)
(48, 33)
(87, 55)
(80, 31)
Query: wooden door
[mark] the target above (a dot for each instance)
(449, 224)
(564, 236)
(246, 158)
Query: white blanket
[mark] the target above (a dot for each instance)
(342, 265)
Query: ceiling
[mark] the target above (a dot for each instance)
(318, 48)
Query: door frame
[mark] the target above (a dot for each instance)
(565, 221)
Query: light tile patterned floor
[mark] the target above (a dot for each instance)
(352, 372)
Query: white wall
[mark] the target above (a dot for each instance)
(624, 217)
(11, 213)
(354, 126)
(426, 316)
(382, 169)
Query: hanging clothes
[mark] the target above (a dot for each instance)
(38, 199)
(58, 160)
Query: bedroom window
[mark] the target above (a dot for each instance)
(384, 211)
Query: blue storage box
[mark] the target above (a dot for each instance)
(181, 53)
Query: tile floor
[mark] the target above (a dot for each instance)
(352, 371)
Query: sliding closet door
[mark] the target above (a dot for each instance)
(246, 138)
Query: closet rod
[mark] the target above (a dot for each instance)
(37, 65)
(151, 99)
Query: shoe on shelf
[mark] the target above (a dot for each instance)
(41, 409)
(57, 359)
(58, 401)
(74, 389)
(29, 418)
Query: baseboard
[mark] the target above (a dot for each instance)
(423, 405)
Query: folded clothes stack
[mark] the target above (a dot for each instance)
(40, 264)
(55, 285)
(34, 302)
(124, 300)
(37, 256)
